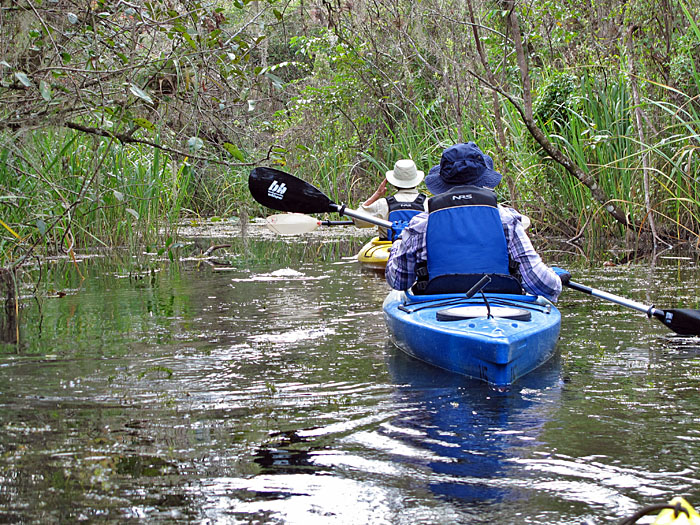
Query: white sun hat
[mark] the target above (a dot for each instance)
(405, 174)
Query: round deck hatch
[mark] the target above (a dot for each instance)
(458, 313)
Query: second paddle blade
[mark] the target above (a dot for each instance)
(291, 223)
(281, 191)
(683, 321)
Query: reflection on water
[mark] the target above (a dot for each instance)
(260, 387)
(473, 433)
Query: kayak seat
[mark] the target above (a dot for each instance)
(463, 282)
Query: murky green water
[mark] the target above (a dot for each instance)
(268, 393)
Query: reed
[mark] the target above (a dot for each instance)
(66, 191)
(596, 129)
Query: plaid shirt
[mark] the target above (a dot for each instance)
(536, 277)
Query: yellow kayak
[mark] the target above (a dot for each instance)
(676, 512)
(684, 514)
(375, 254)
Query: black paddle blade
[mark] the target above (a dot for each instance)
(683, 321)
(281, 191)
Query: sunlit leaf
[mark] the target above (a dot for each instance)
(233, 150)
(189, 40)
(45, 90)
(133, 212)
(144, 123)
(72, 18)
(277, 14)
(8, 229)
(195, 144)
(140, 93)
(23, 78)
(118, 195)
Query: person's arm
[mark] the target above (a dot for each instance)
(400, 270)
(378, 209)
(537, 277)
(378, 194)
(376, 206)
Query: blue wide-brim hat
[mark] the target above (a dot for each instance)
(462, 164)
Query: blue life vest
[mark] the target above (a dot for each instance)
(465, 241)
(401, 213)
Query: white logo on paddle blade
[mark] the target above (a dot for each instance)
(276, 190)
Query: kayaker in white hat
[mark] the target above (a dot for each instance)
(465, 234)
(400, 207)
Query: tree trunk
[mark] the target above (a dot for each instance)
(525, 111)
(638, 115)
(501, 141)
(9, 328)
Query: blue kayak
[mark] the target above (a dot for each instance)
(498, 340)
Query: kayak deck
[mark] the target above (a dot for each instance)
(375, 254)
(498, 350)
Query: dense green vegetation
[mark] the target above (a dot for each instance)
(119, 119)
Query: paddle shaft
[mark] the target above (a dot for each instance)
(683, 321)
(284, 192)
(342, 209)
(649, 310)
(336, 223)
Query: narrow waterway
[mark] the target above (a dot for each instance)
(260, 387)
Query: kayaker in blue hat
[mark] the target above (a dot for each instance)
(466, 234)
(400, 207)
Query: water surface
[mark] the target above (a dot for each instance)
(264, 390)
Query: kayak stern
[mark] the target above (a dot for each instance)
(375, 254)
(496, 350)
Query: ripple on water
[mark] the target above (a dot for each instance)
(269, 393)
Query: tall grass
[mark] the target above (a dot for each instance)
(63, 192)
(350, 170)
(597, 131)
(68, 192)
